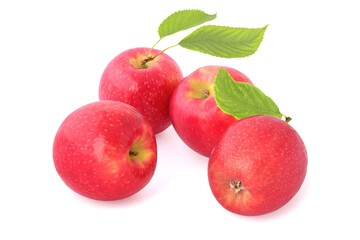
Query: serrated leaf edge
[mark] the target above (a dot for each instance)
(184, 10)
(228, 27)
(247, 114)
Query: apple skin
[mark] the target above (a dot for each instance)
(196, 118)
(91, 151)
(148, 90)
(267, 156)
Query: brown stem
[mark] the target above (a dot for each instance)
(133, 153)
(151, 58)
(287, 119)
(146, 60)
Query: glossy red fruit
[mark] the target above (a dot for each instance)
(147, 87)
(258, 166)
(105, 150)
(194, 114)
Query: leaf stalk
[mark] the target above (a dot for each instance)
(152, 47)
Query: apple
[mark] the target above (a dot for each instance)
(144, 82)
(194, 114)
(258, 165)
(105, 150)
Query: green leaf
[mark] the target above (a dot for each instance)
(226, 42)
(182, 20)
(240, 99)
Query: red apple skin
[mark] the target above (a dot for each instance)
(199, 121)
(91, 151)
(148, 90)
(267, 156)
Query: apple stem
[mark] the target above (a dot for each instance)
(133, 153)
(287, 119)
(150, 58)
(237, 185)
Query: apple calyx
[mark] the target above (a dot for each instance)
(237, 185)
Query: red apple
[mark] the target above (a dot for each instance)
(258, 165)
(194, 114)
(105, 150)
(147, 86)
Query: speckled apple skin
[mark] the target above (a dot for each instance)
(91, 151)
(267, 155)
(200, 122)
(148, 90)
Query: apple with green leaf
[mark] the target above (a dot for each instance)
(105, 150)
(145, 78)
(194, 114)
(260, 162)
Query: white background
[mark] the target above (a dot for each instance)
(52, 55)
